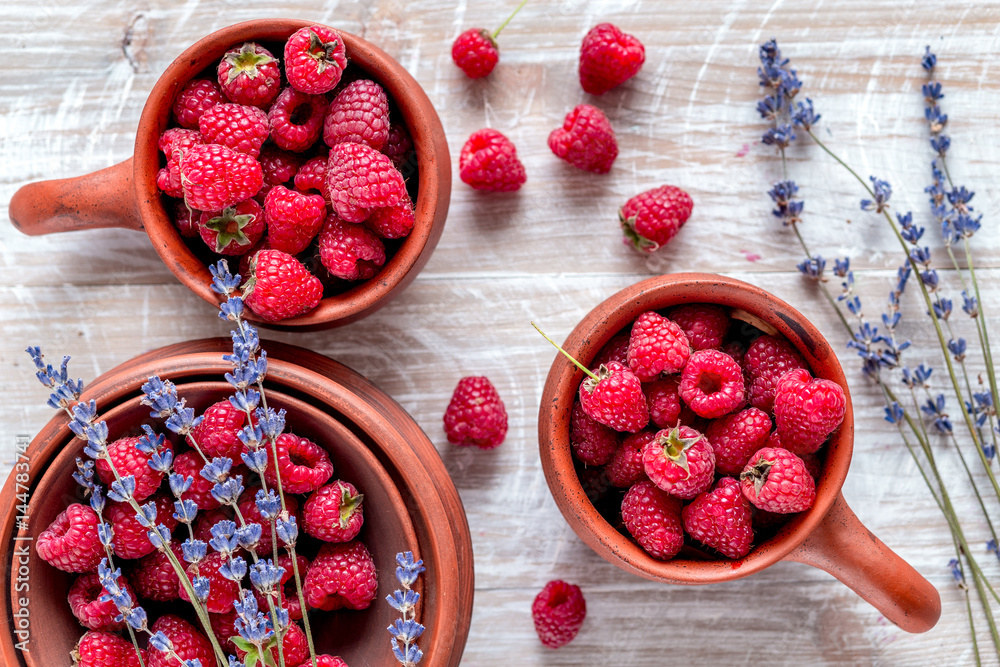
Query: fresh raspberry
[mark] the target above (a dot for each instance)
(558, 612)
(489, 162)
(155, 578)
(705, 325)
(242, 128)
(476, 414)
(174, 143)
(222, 591)
(250, 75)
(224, 628)
(360, 178)
(196, 97)
(293, 219)
(218, 432)
(185, 219)
(653, 518)
(585, 140)
(279, 168)
(84, 601)
(294, 646)
(475, 52)
(765, 361)
(359, 114)
(656, 345)
(190, 464)
(807, 410)
(393, 222)
(128, 460)
(350, 251)
(736, 437)
(776, 480)
(98, 648)
(712, 384)
(615, 349)
(592, 442)
(205, 519)
(737, 351)
(334, 513)
(626, 467)
(70, 543)
(214, 177)
(615, 398)
(399, 147)
(680, 461)
(234, 229)
(651, 218)
(342, 575)
(608, 58)
(721, 519)
(297, 119)
(289, 593)
(326, 660)
(303, 465)
(187, 641)
(168, 181)
(311, 177)
(131, 538)
(664, 401)
(314, 59)
(280, 287)
(248, 508)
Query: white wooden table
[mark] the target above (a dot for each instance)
(74, 78)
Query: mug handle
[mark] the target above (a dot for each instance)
(105, 198)
(842, 546)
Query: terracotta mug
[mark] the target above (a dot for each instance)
(125, 195)
(828, 536)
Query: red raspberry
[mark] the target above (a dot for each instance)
(807, 410)
(704, 325)
(712, 384)
(294, 646)
(293, 219)
(222, 591)
(626, 467)
(558, 612)
(311, 177)
(303, 465)
(207, 518)
(664, 401)
(84, 601)
(608, 57)
(765, 361)
(585, 140)
(315, 59)
(359, 114)
(234, 229)
(325, 660)
(296, 119)
(489, 162)
(653, 518)
(737, 351)
(736, 437)
(720, 519)
(128, 460)
(224, 628)
(475, 52)
(360, 178)
(155, 578)
(656, 345)
(776, 480)
(174, 143)
(131, 538)
(70, 543)
(592, 442)
(334, 513)
(615, 398)
(615, 349)
(242, 128)
(476, 414)
(250, 75)
(214, 177)
(279, 167)
(97, 648)
(280, 287)
(196, 97)
(399, 147)
(185, 219)
(190, 464)
(188, 643)
(342, 575)
(350, 251)
(218, 432)
(393, 222)
(289, 594)
(248, 508)
(680, 461)
(651, 218)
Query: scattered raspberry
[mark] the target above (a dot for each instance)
(615, 349)
(196, 97)
(626, 467)
(250, 75)
(475, 52)
(214, 177)
(234, 229)
(248, 508)
(705, 325)
(350, 251)
(242, 128)
(85, 604)
(393, 222)
(185, 219)
(653, 518)
(280, 287)
(311, 177)
(70, 543)
(188, 643)
(218, 432)
(326, 660)
(222, 591)
(807, 410)
(289, 593)
(360, 178)
(489, 162)
(293, 219)
(303, 465)
(315, 59)
(585, 140)
(776, 480)
(650, 219)
(342, 575)
(736, 437)
(128, 460)
(296, 119)
(608, 57)
(279, 168)
(615, 398)
(398, 146)
(294, 646)
(721, 519)
(131, 538)
(765, 361)
(680, 461)
(103, 649)
(333, 513)
(656, 345)
(664, 401)
(475, 414)
(360, 114)
(592, 442)
(154, 577)
(558, 612)
(712, 384)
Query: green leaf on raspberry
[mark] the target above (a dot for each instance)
(348, 505)
(247, 61)
(675, 447)
(230, 226)
(640, 242)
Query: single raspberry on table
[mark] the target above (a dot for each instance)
(585, 140)
(656, 345)
(712, 384)
(279, 287)
(196, 97)
(651, 218)
(251, 514)
(399, 147)
(558, 612)
(653, 517)
(664, 401)
(592, 442)
(294, 647)
(250, 75)
(807, 410)
(350, 251)
(705, 325)
(360, 114)
(218, 432)
(187, 641)
(475, 415)
(613, 396)
(84, 601)
(341, 576)
(234, 229)
(215, 176)
(333, 513)
(293, 219)
(240, 127)
(680, 461)
(721, 519)
(311, 177)
(488, 161)
(154, 578)
(765, 361)
(303, 465)
(279, 168)
(626, 467)
(475, 52)
(98, 648)
(297, 119)
(359, 178)
(222, 593)
(608, 58)
(315, 58)
(131, 538)
(776, 480)
(128, 460)
(393, 222)
(70, 543)
(736, 437)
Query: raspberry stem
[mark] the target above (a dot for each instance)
(569, 356)
(504, 24)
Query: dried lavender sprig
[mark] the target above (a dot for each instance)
(406, 630)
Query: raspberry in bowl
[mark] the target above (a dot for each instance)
(717, 411)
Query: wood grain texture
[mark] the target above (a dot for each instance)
(549, 253)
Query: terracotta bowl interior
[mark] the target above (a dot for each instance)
(586, 340)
